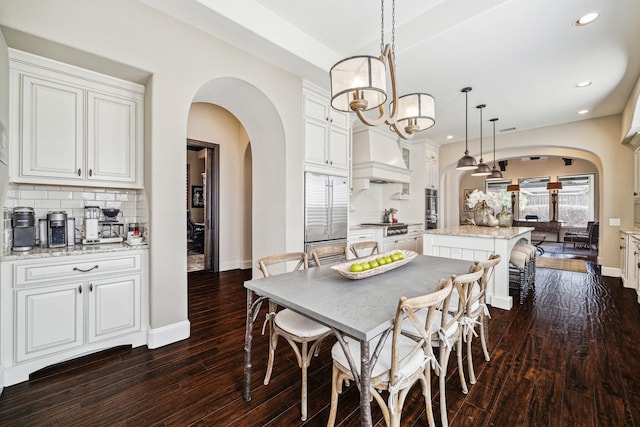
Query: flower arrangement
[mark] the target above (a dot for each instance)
(492, 199)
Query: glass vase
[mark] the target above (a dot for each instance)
(505, 218)
(481, 213)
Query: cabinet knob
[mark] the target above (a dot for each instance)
(90, 287)
(331, 162)
(90, 172)
(80, 289)
(79, 171)
(326, 162)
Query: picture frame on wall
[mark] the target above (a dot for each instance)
(197, 196)
(467, 192)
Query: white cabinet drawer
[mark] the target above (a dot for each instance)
(73, 267)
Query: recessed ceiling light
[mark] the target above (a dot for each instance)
(583, 111)
(583, 84)
(449, 136)
(587, 19)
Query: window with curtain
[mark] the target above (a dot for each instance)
(576, 200)
(497, 194)
(534, 198)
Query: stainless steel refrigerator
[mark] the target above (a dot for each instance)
(326, 209)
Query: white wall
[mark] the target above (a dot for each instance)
(180, 61)
(597, 141)
(211, 123)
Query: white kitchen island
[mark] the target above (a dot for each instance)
(472, 242)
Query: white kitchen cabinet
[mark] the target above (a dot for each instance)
(364, 235)
(431, 166)
(48, 320)
(57, 308)
(629, 257)
(73, 126)
(327, 133)
(114, 307)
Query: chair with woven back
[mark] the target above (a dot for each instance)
(363, 249)
(293, 327)
(401, 361)
(327, 255)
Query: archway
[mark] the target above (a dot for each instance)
(262, 123)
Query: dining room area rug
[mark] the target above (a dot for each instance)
(567, 264)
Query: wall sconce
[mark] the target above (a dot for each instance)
(554, 187)
(514, 188)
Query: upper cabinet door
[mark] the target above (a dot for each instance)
(111, 138)
(71, 126)
(52, 131)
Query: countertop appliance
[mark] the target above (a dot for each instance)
(326, 210)
(91, 220)
(430, 208)
(24, 230)
(57, 229)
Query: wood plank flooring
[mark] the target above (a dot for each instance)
(569, 356)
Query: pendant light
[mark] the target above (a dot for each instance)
(495, 173)
(483, 168)
(466, 162)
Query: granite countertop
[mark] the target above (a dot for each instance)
(70, 251)
(483, 232)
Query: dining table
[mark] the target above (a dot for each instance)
(354, 309)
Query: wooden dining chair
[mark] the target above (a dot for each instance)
(401, 361)
(477, 312)
(293, 327)
(447, 333)
(363, 249)
(328, 255)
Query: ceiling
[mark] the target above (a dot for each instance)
(522, 58)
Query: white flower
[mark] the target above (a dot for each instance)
(478, 196)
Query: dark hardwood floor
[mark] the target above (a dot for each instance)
(569, 356)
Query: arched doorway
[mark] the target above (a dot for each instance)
(264, 129)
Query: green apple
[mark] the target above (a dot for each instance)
(356, 267)
(365, 266)
(400, 255)
(395, 257)
(374, 264)
(388, 259)
(381, 261)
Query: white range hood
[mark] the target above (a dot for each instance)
(377, 157)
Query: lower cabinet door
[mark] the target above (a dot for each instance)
(114, 307)
(49, 320)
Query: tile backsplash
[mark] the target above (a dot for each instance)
(72, 200)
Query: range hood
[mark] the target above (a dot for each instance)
(377, 157)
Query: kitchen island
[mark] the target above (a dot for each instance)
(472, 242)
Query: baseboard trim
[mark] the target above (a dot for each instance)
(611, 271)
(159, 337)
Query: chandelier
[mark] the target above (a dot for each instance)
(359, 84)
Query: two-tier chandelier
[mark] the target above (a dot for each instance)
(359, 84)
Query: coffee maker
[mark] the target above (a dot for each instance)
(57, 229)
(91, 222)
(24, 232)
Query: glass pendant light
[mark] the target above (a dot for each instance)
(483, 168)
(495, 173)
(466, 162)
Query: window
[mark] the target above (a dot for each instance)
(534, 198)
(497, 194)
(576, 201)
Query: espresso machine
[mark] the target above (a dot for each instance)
(24, 231)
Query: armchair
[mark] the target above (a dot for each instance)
(588, 238)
